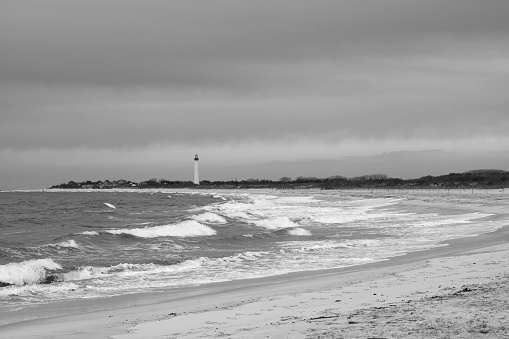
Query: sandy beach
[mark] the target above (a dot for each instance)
(456, 291)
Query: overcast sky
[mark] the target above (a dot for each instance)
(94, 90)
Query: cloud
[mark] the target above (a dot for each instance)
(195, 44)
(437, 98)
(290, 79)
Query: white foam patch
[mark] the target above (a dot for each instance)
(275, 223)
(66, 244)
(141, 270)
(89, 272)
(188, 228)
(303, 247)
(90, 233)
(275, 212)
(27, 272)
(209, 217)
(224, 261)
(80, 274)
(234, 210)
(46, 291)
(299, 231)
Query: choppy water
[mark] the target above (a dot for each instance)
(67, 245)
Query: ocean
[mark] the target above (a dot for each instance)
(62, 245)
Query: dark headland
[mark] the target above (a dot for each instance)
(478, 179)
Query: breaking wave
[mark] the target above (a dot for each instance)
(275, 223)
(299, 231)
(188, 228)
(65, 244)
(90, 233)
(27, 272)
(35, 272)
(209, 217)
(224, 261)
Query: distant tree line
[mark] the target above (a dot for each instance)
(470, 179)
(475, 178)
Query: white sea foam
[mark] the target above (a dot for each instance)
(274, 212)
(223, 261)
(47, 291)
(234, 210)
(188, 228)
(304, 247)
(209, 217)
(160, 271)
(90, 233)
(275, 223)
(26, 272)
(66, 244)
(79, 274)
(88, 272)
(299, 231)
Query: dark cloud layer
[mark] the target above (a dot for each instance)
(198, 44)
(99, 131)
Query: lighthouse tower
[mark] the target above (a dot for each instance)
(196, 172)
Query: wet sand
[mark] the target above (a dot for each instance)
(455, 291)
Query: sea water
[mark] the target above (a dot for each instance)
(67, 245)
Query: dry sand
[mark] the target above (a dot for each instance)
(455, 291)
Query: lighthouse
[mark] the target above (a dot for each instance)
(196, 171)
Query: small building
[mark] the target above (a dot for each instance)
(106, 184)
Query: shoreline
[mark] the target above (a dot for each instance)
(145, 314)
(115, 323)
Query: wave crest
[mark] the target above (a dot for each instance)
(65, 244)
(89, 233)
(27, 272)
(275, 223)
(299, 231)
(209, 217)
(188, 228)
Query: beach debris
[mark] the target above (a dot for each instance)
(463, 289)
(325, 317)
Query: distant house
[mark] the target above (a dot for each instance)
(97, 185)
(120, 183)
(106, 184)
